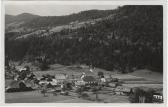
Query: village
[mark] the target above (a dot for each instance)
(79, 84)
(83, 52)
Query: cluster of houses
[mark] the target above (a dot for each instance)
(26, 80)
(62, 78)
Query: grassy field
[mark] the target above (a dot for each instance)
(138, 78)
(36, 97)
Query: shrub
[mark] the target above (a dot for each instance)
(100, 74)
(79, 90)
(44, 91)
(119, 83)
(84, 95)
(114, 80)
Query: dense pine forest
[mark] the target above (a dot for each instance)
(126, 38)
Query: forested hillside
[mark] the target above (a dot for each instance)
(129, 37)
(60, 20)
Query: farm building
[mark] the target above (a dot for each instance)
(86, 80)
(89, 79)
(61, 77)
(122, 90)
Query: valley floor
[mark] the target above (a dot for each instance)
(36, 97)
(138, 78)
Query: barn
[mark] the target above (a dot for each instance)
(87, 80)
(61, 77)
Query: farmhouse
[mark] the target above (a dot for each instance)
(122, 90)
(89, 80)
(61, 77)
(86, 80)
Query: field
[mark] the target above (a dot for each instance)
(36, 97)
(138, 78)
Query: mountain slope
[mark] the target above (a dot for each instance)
(131, 37)
(62, 20)
(9, 18)
(28, 24)
(14, 23)
(18, 18)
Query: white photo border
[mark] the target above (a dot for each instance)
(126, 2)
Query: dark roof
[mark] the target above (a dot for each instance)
(89, 79)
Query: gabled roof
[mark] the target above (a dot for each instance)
(60, 76)
(89, 79)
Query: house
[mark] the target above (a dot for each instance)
(122, 90)
(61, 77)
(29, 83)
(158, 96)
(90, 80)
(79, 83)
(54, 82)
(87, 80)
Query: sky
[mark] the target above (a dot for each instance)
(53, 10)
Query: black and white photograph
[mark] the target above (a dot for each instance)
(83, 53)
